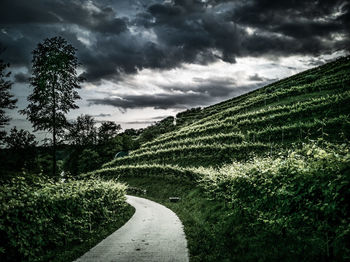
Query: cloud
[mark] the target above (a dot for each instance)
(257, 78)
(157, 118)
(118, 38)
(91, 15)
(296, 27)
(101, 115)
(117, 41)
(22, 78)
(141, 122)
(178, 97)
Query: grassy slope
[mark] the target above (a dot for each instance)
(312, 104)
(309, 105)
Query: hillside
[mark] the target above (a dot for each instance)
(309, 105)
(263, 176)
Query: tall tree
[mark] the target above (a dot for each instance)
(55, 81)
(6, 98)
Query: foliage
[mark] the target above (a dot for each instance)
(55, 80)
(37, 218)
(89, 160)
(287, 208)
(6, 99)
(164, 126)
(20, 139)
(82, 131)
(20, 152)
(107, 131)
(90, 147)
(195, 155)
(188, 116)
(291, 208)
(146, 170)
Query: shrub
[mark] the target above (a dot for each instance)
(40, 217)
(291, 208)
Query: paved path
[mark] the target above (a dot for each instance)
(154, 233)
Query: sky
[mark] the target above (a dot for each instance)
(144, 60)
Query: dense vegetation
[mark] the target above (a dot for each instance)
(44, 220)
(263, 176)
(277, 158)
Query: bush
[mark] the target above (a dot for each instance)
(38, 218)
(291, 208)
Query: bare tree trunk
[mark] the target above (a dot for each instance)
(54, 130)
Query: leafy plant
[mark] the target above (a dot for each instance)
(38, 218)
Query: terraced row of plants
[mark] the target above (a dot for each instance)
(208, 145)
(146, 170)
(262, 99)
(335, 129)
(229, 138)
(194, 155)
(212, 152)
(339, 68)
(321, 107)
(256, 102)
(287, 133)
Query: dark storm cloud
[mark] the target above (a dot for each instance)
(280, 27)
(123, 37)
(157, 118)
(22, 78)
(126, 55)
(96, 18)
(157, 101)
(23, 24)
(101, 115)
(19, 41)
(203, 93)
(294, 27)
(141, 122)
(256, 77)
(147, 122)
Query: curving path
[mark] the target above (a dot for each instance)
(154, 233)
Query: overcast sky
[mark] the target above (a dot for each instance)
(147, 59)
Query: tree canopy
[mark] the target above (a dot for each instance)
(20, 139)
(82, 132)
(107, 131)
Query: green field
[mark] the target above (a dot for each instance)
(263, 176)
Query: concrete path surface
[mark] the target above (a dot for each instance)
(153, 234)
